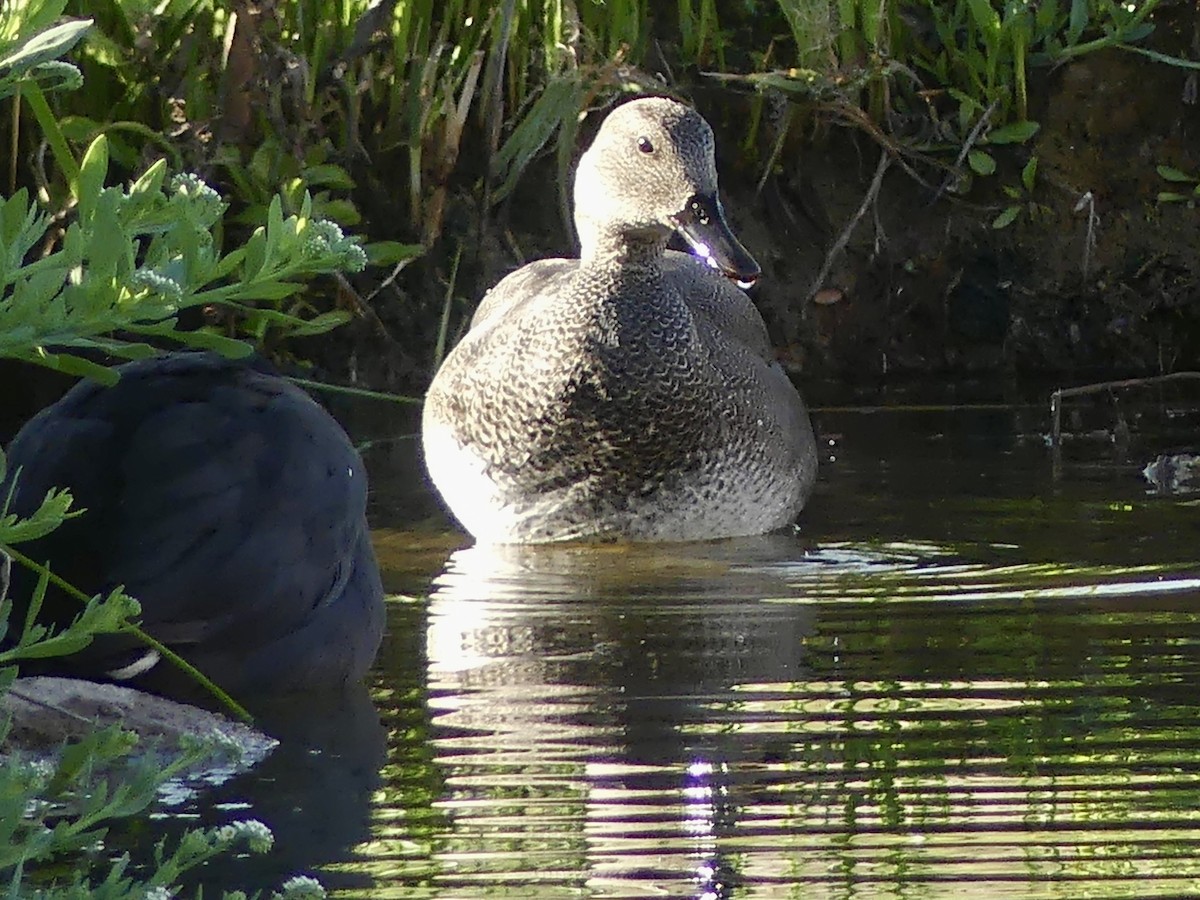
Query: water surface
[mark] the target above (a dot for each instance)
(971, 672)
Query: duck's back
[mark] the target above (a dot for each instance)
(229, 503)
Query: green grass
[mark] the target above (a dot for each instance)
(401, 118)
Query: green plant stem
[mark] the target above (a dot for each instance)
(14, 145)
(439, 351)
(1115, 39)
(1020, 51)
(159, 140)
(136, 630)
(353, 391)
(54, 136)
(1176, 61)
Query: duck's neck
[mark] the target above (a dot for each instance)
(626, 247)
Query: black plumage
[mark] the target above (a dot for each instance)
(229, 503)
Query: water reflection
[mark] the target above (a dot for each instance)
(964, 678)
(315, 792)
(579, 669)
(763, 719)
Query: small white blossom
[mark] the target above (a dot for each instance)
(325, 238)
(301, 887)
(158, 284)
(328, 231)
(206, 202)
(314, 247)
(257, 836)
(191, 185)
(354, 257)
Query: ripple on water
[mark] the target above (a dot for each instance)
(761, 719)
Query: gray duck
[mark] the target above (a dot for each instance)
(632, 392)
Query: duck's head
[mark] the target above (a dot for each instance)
(651, 171)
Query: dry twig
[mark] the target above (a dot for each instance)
(885, 160)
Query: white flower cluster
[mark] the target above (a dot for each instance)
(255, 834)
(300, 887)
(326, 238)
(205, 199)
(158, 284)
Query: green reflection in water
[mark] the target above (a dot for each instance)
(890, 722)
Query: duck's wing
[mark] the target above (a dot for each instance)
(718, 303)
(739, 348)
(527, 283)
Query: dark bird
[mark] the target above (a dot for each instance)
(229, 503)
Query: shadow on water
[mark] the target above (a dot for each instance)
(964, 676)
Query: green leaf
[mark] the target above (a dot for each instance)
(1007, 217)
(79, 129)
(981, 163)
(267, 290)
(1046, 16)
(1137, 32)
(108, 250)
(1016, 133)
(1078, 20)
(324, 322)
(76, 365)
(1172, 197)
(49, 44)
(150, 181)
(274, 223)
(966, 101)
(344, 212)
(1172, 174)
(388, 253)
(560, 100)
(210, 340)
(255, 255)
(1029, 173)
(227, 264)
(54, 509)
(92, 173)
(55, 76)
(1177, 61)
(327, 175)
(986, 19)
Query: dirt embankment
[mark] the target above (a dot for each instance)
(1092, 276)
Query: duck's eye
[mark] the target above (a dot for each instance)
(645, 144)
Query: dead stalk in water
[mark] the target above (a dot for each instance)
(1056, 398)
(1088, 202)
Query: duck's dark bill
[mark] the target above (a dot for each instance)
(702, 224)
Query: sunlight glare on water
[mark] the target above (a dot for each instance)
(846, 732)
(965, 676)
